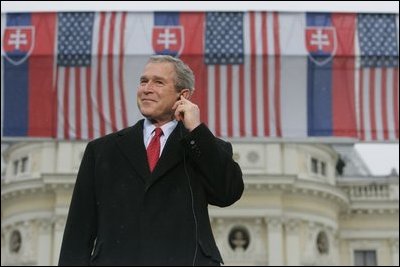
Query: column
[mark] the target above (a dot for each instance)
(59, 225)
(394, 243)
(44, 243)
(275, 242)
(292, 242)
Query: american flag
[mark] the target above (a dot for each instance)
(378, 77)
(243, 82)
(89, 76)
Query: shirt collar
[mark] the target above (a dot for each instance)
(167, 128)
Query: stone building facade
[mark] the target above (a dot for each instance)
(303, 204)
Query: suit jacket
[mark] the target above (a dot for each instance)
(122, 214)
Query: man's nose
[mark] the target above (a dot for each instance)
(147, 87)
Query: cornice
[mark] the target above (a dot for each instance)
(294, 185)
(44, 184)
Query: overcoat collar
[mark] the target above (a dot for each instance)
(130, 142)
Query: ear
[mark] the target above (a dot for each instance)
(186, 93)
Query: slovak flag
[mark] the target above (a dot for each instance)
(27, 71)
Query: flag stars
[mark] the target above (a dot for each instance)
(377, 40)
(224, 34)
(74, 39)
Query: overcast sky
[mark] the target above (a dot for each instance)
(380, 158)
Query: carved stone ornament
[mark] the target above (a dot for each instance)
(15, 241)
(239, 238)
(322, 243)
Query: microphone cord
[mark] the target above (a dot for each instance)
(192, 200)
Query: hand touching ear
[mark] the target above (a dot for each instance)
(187, 112)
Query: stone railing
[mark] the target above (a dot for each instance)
(385, 189)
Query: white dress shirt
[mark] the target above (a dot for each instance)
(148, 132)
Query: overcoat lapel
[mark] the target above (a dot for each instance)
(130, 142)
(172, 154)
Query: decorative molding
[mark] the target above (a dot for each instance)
(253, 156)
(274, 224)
(35, 186)
(291, 184)
(59, 223)
(358, 234)
(45, 226)
(292, 226)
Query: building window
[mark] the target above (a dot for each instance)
(365, 258)
(24, 164)
(314, 165)
(318, 167)
(239, 238)
(20, 165)
(323, 168)
(16, 165)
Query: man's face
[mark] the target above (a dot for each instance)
(156, 93)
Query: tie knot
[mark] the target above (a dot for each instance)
(158, 132)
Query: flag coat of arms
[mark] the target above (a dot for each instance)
(18, 43)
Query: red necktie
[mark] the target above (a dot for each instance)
(153, 150)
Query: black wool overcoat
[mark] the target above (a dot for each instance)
(122, 214)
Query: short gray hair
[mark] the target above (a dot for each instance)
(184, 78)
